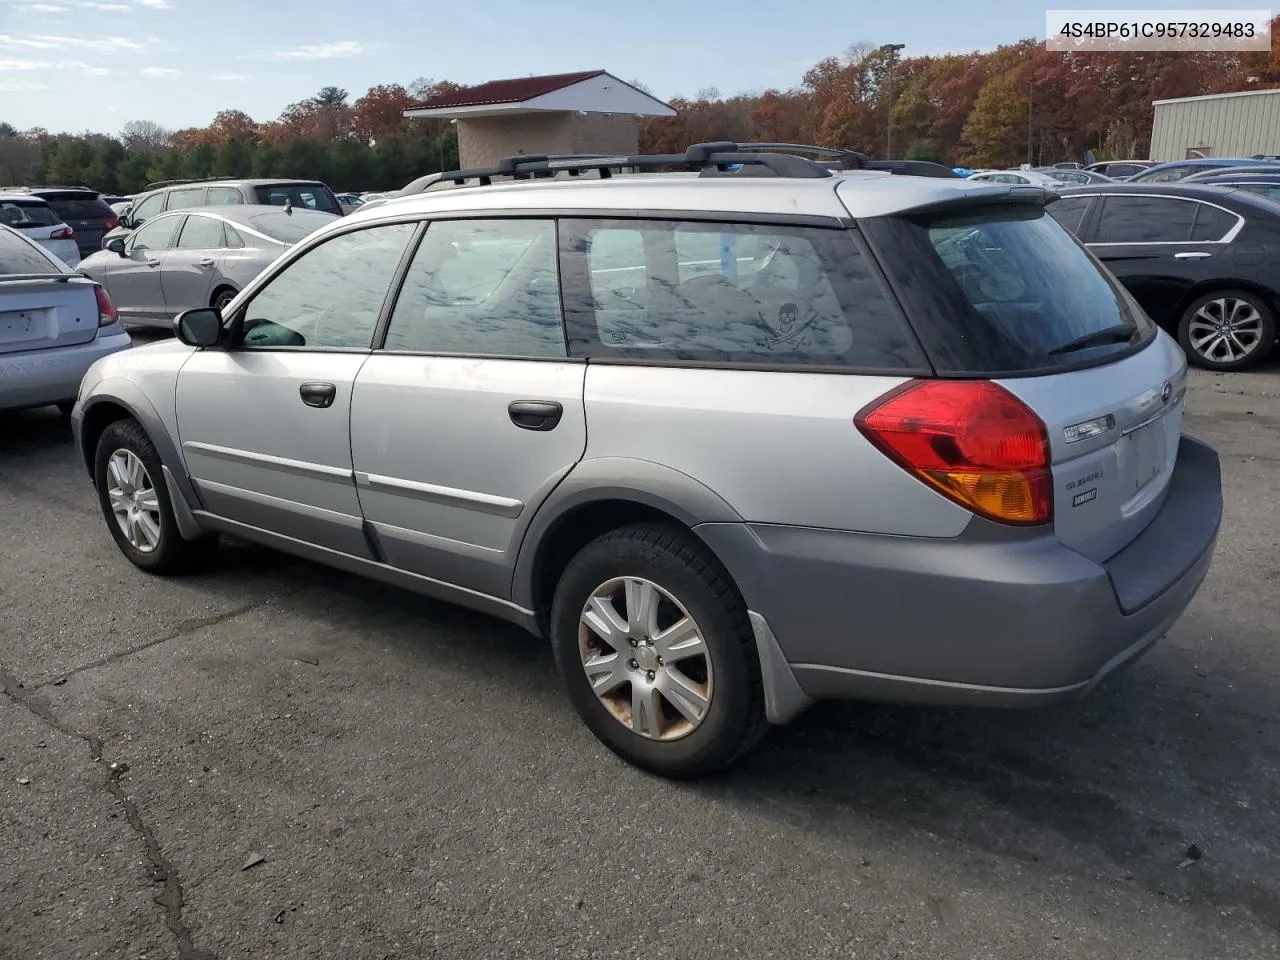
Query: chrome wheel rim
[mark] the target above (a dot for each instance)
(645, 658)
(133, 500)
(1225, 330)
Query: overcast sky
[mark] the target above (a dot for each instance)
(95, 64)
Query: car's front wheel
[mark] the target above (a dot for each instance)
(135, 503)
(657, 653)
(1227, 330)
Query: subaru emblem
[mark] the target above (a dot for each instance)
(1166, 392)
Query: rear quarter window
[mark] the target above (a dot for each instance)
(1002, 292)
(728, 294)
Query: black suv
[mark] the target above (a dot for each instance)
(82, 209)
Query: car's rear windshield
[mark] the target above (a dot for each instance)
(20, 256)
(23, 214)
(306, 196)
(289, 227)
(1006, 291)
(80, 208)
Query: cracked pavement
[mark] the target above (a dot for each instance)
(416, 786)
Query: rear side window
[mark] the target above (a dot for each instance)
(18, 256)
(21, 214)
(741, 294)
(1004, 292)
(1269, 190)
(221, 196)
(200, 233)
(1212, 223)
(1145, 220)
(181, 199)
(309, 196)
(482, 287)
(1070, 212)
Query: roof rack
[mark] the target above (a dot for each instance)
(177, 183)
(48, 186)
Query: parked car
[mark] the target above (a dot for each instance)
(1178, 169)
(1029, 177)
(1120, 169)
(1073, 175)
(727, 454)
(195, 258)
(1264, 184)
(1202, 260)
(1217, 173)
(37, 221)
(80, 208)
(185, 194)
(54, 324)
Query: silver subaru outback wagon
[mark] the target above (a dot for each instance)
(734, 439)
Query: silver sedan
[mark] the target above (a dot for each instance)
(197, 257)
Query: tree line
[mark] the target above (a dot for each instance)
(1017, 103)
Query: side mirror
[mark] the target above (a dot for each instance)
(116, 246)
(201, 327)
(126, 221)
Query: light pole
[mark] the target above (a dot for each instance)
(891, 49)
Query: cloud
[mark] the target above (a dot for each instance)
(51, 42)
(232, 76)
(333, 50)
(155, 4)
(23, 65)
(161, 72)
(105, 7)
(87, 68)
(46, 8)
(17, 86)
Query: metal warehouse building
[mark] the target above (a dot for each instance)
(1220, 125)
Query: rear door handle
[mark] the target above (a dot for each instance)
(207, 262)
(539, 415)
(1192, 255)
(318, 394)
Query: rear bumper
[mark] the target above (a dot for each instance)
(37, 377)
(968, 621)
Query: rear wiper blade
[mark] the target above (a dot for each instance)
(1117, 334)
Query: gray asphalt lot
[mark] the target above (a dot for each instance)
(416, 786)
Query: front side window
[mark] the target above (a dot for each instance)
(331, 296)
(1145, 220)
(743, 294)
(201, 233)
(147, 209)
(482, 287)
(156, 235)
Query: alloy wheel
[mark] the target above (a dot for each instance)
(645, 658)
(134, 500)
(1225, 330)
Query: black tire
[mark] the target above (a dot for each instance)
(673, 559)
(1259, 349)
(172, 554)
(222, 298)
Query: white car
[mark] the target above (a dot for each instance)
(1032, 177)
(36, 220)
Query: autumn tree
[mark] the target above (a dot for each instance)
(995, 133)
(380, 112)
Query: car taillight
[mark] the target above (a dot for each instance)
(110, 224)
(107, 312)
(972, 441)
(66, 233)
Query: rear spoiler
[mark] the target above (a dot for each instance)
(987, 195)
(52, 277)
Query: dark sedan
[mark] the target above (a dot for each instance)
(1203, 261)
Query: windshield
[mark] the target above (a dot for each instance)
(304, 196)
(289, 227)
(1004, 292)
(23, 214)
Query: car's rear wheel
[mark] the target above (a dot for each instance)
(1227, 330)
(656, 651)
(135, 503)
(222, 298)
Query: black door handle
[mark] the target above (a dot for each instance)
(318, 394)
(538, 415)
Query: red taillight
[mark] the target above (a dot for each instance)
(107, 312)
(971, 440)
(66, 233)
(110, 224)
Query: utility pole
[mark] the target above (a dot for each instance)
(1031, 88)
(892, 50)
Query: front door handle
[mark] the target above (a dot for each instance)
(1192, 255)
(318, 394)
(540, 415)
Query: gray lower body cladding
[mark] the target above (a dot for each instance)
(1009, 623)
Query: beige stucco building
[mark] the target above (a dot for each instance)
(591, 112)
(1219, 125)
